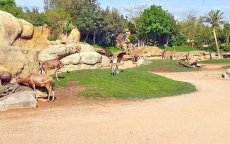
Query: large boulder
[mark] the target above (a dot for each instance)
(87, 48)
(73, 59)
(39, 39)
(105, 61)
(24, 99)
(55, 51)
(10, 28)
(90, 58)
(74, 35)
(27, 29)
(18, 60)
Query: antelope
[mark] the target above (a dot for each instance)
(55, 64)
(39, 80)
(114, 70)
(5, 77)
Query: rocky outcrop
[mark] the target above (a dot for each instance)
(24, 99)
(10, 28)
(55, 51)
(73, 59)
(105, 61)
(27, 29)
(74, 36)
(90, 58)
(38, 40)
(86, 48)
(18, 60)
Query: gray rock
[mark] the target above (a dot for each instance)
(16, 60)
(10, 28)
(73, 59)
(25, 99)
(55, 51)
(105, 61)
(87, 48)
(90, 58)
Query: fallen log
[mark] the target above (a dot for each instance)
(186, 65)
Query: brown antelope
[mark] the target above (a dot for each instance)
(55, 64)
(39, 80)
(5, 77)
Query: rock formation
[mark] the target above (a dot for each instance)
(10, 28)
(38, 39)
(18, 60)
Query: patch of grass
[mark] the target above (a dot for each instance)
(216, 61)
(226, 67)
(112, 49)
(130, 84)
(166, 66)
(2, 87)
(181, 49)
(109, 48)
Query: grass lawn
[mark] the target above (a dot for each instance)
(216, 61)
(166, 66)
(133, 83)
(181, 49)
(112, 49)
(226, 67)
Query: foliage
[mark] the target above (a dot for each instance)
(215, 18)
(130, 84)
(34, 16)
(94, 22)
(10, 7)
(156, 24)
(196, 33)
(59, 21)
(227, 36)
(178, 40)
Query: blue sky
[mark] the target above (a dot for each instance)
(177, 7)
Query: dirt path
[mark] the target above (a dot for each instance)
(202, 117)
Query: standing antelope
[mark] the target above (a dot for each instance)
(39, 80)
(5, 77)
(55, 64)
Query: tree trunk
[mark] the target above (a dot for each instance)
(86, 37)
(94, 37)
(217, 47)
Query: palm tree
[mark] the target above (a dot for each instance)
(215, 18)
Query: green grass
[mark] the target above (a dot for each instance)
(181, 49)
(112, 49)
(216, 61)
(226, 67)
(109, 48)
(165, 66)
(2, 87)
(133, 83)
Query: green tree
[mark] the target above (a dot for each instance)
(215, 18)
(156, 24)
(10, 7)
(227, 36)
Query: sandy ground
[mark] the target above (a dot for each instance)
(202, 117)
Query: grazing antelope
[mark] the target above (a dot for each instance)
(5, 77)
(114, 70)
(39, 80)
(55, 64)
